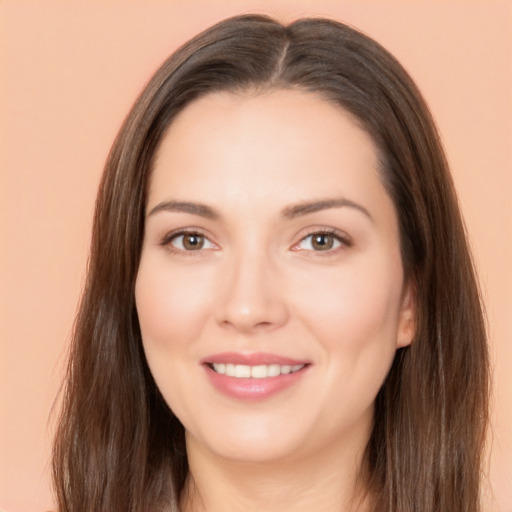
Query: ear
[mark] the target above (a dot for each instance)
(407, 320)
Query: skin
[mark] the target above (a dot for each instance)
(259, 284)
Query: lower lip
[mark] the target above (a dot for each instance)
(253, 389)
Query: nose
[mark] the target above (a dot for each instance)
(253, 298)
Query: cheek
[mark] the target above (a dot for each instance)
(170, 304)
(354, 316)
(171, 307)
(357, 308)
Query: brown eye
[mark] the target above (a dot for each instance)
(322, 242)
(191, 242)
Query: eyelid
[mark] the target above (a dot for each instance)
(342, 237)
(172, 235)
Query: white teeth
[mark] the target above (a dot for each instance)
(220, 368)
(262, 371)
(259, 372)
(242, 371)
(273, 370)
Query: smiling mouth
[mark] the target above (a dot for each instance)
(253, 376)
(262, 371)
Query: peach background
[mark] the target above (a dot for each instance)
(69, 73)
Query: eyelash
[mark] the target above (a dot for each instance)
(343, 240)
(170, 237)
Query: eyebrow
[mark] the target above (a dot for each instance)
(290, 212)
(186, 207)
(305, 208)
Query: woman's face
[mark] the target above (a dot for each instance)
(270, 292)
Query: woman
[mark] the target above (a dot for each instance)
(281, 310)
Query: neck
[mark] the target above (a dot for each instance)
(325, 481)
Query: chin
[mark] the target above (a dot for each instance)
(250, 441)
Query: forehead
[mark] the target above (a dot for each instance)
(289, 144)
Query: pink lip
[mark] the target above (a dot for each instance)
(251, 359)
(252, 389)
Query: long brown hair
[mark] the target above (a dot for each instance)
(119, 447)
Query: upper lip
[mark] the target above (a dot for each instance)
(252, 359)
